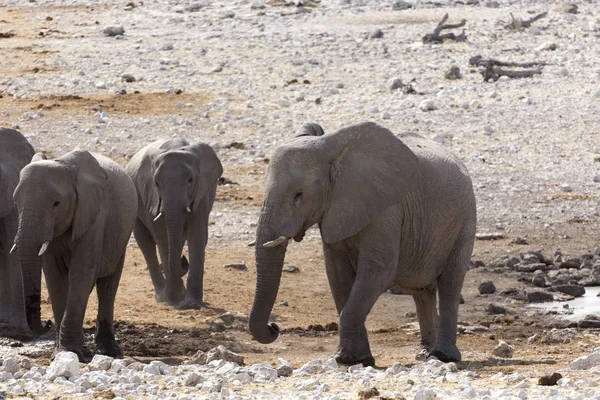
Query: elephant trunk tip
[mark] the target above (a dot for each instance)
(265, 336)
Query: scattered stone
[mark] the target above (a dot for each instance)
(521, 240)
(453, 73)
(549, 46)
(589, 321)
(496, 309)
(586, 362)
(368, 393)
(193, 379)
(284, 368)
(376, 34)
(568, 8)
(487, 287)
(539, 297)
(539, 279)
(100, 363)
(218, 353)
(292, 269)
(194, 7)
(128, 78)
(427, 105)
(549, 379)
(503, 350)
(239, 267)
(570, 263)
(113, 31)
(572, 290)
(401, 5)
(65, 364)
(565, 187)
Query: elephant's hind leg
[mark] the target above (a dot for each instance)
(428, 317)
(106, 287)
(449, 287)
(148, 247)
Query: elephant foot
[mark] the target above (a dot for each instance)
(344, 358)
(82, 357)
(109, 347)
(190, 303)
(448, 353)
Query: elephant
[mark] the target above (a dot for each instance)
(391, 210)
(176, 184)
(15, 153)
(76, 215)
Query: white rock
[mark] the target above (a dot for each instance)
(65, 364)
(100, 363)
(152, 369)
(425, 394)
(586, 362)
(503, 350)
(193, 379)
(427, 105)
(5, 376)
(10, 365)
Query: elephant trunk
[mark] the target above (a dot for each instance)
(174, 221)
(29, 244)
(269, 264)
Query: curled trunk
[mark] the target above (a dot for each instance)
(269, 263)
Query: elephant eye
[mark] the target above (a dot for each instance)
(56, 204)
(190, 180)
(298, 197)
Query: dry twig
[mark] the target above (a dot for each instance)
(479, 61)
(436, 37)
(519, 24)
(494, 73)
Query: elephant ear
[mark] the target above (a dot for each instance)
(310, 129)
(90, 183)
(370, 171)
(15, 153)
(209, 170)
(143, 179)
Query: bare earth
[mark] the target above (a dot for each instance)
(50, 72)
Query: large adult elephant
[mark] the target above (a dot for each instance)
(15, 153)
(76, 214)
(176, 184)
(390, 210)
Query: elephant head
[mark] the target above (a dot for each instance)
(174, 180)
(53, 197)
(15, 153)
(341, 181)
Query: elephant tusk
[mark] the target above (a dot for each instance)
(252, 243)
(157, 217)
(12, 250)
(188, 209)
(44, 248)
(277, 242)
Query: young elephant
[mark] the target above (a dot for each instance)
(176, 184)
(15, 153)
(76, 214)
(390, 211)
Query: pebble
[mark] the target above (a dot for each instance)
(586, 362)
(453, 73)
(503, 350)
(376, 34)
(427, 105)
(65, 365)
(487, 287)
(549, 379)
(114, 30)
(401, 5)
(239, 267)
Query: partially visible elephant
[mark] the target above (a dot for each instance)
(76, 215)
(176, 184)
(390, 210)
(15, 153)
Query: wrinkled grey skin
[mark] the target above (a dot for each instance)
(15, 153)
(176, 184)
(84, 206)
(390, 212)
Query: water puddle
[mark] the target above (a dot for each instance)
(589, 303)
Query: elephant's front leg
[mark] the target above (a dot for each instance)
(197, 232)
(57, 282)
(83, 270)
(377, 266)
(147, 245)
(106, 287)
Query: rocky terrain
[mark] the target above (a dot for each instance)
(111, 76)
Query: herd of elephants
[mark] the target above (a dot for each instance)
(392, 210)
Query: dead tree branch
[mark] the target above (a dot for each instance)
(436, 36)
(479, 61)
(519, 24)
(494, 73)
